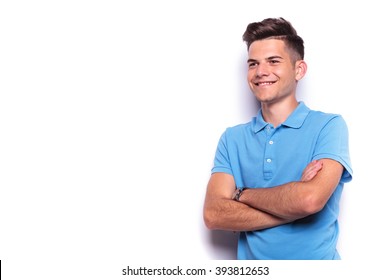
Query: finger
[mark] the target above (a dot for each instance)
(311, 170)
(309, 175)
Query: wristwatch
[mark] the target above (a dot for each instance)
(238, 193)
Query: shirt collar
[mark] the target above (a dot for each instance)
(295, 120)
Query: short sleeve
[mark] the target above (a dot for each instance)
(221, 159)
(333, 143)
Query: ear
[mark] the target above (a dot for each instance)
(300, 69)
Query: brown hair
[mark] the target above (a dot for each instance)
(275, 28)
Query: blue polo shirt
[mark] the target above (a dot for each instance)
(259, 155)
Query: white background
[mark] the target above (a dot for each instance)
(110, 113)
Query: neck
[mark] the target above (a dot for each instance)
(277, 113)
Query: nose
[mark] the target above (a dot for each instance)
(262, 70)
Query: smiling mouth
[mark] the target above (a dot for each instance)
(264, 83)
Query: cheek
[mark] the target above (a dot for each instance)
(250, 75)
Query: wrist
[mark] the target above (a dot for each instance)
(237, 193)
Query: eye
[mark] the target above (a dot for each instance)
(274, 61)
(252, 64)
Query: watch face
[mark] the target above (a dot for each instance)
(238, 194)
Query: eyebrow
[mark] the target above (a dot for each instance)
(251, 60)
(268, 58)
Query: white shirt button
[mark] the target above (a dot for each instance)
(271, 142)
(269, 160)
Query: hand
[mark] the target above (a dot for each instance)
(311, 170)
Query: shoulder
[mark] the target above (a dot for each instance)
(240, 128)
(237, 133)
(321, 118)
(321, 115)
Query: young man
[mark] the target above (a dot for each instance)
(278, 179)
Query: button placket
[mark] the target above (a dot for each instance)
(269, 153)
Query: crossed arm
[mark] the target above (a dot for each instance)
(262, 208)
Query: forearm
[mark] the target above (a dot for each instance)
(226, 214)
(296, 200)
(286, 201)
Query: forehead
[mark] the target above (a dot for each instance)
(261, 49)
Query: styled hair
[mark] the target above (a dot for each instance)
(275, 28)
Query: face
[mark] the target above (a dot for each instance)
(272, 75)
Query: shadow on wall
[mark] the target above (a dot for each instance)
(224, 244)
(248, 106)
